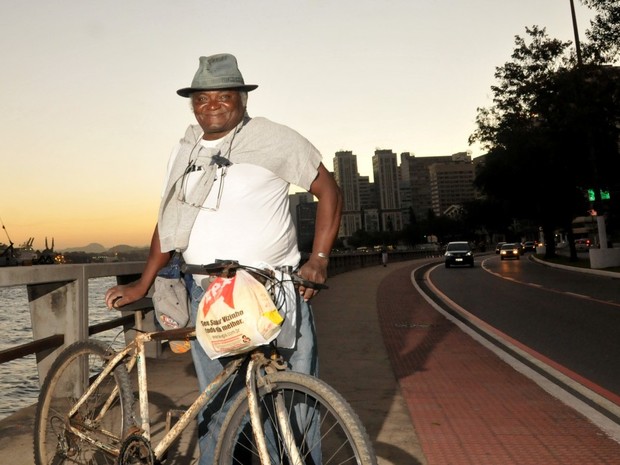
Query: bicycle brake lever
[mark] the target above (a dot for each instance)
(309, 284)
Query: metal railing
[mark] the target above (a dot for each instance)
(58, 302)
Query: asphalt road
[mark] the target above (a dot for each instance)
(571, 318)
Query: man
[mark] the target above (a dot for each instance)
(226, 197)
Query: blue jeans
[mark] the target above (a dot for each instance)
(303, 359)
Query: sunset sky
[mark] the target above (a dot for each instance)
(90, 111)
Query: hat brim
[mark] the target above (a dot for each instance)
(187, 91)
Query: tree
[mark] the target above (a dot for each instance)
(557, 120)
(516, 136)
(604, 32)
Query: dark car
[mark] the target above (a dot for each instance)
(510, 250)
(498, 246)
(459, 253)
(582, 244)
(529, 246)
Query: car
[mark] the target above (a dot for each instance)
(529, 246)
(459, 253)
(498, 247)
(510, 250)
(583, 244)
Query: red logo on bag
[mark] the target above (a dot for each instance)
(221, 288)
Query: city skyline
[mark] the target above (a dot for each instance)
(90, 112)
(405, 188)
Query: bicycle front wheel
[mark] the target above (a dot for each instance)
(320, 428)
(103, 418)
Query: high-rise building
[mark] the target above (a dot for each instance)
(406, 202)
(417, 171)
(303, 209)
(347, 178)
(368, 204)
(385, 170)
(452, 184)
(306, 218)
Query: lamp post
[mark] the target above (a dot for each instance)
(575, 32)
(600, 219)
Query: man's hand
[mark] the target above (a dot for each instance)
(315, 270)
(124, 294)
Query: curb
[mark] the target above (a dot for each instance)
(611, 274)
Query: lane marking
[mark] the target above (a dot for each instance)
(548, 289)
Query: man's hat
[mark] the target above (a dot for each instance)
(217, 72)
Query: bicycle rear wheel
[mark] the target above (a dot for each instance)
(69, 377)
(325, 429)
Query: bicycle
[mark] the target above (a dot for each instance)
(86, 414)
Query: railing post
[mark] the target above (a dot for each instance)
(152, 349)
(56, 308)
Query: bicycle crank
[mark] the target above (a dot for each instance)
(136, 450)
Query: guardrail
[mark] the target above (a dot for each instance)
(58, 301)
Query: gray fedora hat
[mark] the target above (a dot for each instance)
(217, 72)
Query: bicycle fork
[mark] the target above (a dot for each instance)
(284, 424)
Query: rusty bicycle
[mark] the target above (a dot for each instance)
(87, 412)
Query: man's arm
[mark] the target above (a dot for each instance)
(120, 295)
(328, 213)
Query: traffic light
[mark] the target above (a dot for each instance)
(604, 195)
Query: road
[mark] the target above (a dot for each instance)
(571, 319)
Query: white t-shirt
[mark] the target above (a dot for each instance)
(252, 223)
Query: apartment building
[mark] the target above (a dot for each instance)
(451, 185)
(385, 172)
(348, 178)
(435, 185)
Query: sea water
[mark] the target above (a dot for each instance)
(19, 381)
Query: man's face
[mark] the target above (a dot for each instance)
(217, 111)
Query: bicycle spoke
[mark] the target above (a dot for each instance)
(316, 426)
(92, 435)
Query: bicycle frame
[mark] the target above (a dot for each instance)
(135, 351)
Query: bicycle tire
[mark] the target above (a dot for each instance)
(342, 439)
(53, 442)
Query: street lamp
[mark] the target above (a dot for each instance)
(600, 219)
(576, 32)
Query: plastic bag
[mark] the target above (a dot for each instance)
(236, 315)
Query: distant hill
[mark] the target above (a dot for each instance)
(122, 248)
(95, 247)
(90, 248)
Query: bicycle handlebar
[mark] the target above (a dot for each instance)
(227, 268)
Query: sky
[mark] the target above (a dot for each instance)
(89, 110)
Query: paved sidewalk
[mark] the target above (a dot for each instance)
(354, 360)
